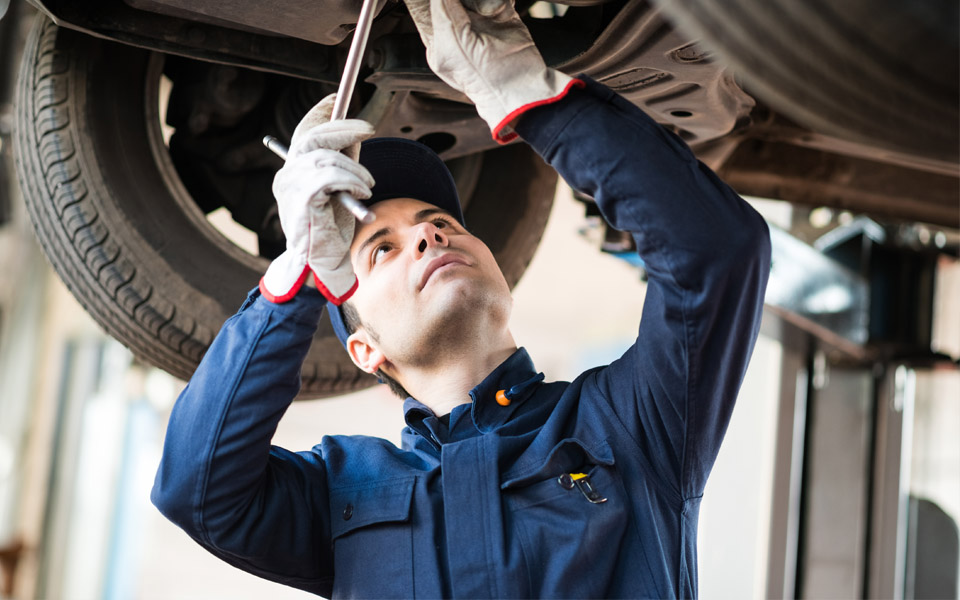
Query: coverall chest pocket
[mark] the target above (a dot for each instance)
(372, 539)
(568, 512)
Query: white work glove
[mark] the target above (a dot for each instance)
(485, 51)
(321, 161)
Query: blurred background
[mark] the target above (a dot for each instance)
(839, 475)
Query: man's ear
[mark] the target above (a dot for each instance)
(364, 353)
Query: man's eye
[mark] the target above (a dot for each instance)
(381, 249)
(440, 223)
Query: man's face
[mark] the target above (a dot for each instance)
(424, 281)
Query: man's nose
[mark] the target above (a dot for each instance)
(428, 235)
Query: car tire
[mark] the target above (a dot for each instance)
(134, 249)
(882, 73)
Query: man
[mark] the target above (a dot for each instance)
(505, 486)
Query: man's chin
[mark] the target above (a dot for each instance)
(458, 300)
(449, 317)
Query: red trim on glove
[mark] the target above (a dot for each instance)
(329, 295)
(299, 284)
(501, 138)
(290, 294)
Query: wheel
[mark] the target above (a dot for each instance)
(131, 243)
(880, 72)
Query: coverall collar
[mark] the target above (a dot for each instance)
(516, 378)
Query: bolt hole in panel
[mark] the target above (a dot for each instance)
(438, 142)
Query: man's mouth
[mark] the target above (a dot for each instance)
(440, 262)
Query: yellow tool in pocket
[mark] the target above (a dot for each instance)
(582, 482)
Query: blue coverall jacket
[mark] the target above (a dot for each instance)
(480, 507)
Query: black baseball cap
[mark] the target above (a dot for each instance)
(403, 168)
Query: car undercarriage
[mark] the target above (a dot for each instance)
(140, 118)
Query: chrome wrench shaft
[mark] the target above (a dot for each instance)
(344, 94)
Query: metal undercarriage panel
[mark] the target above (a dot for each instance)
(626, 44)
(635, 52)
(328, 22)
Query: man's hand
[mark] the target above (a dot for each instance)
(485, 51)
(321, 162)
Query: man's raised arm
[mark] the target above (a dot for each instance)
(707, 251)
(707, 254)
(259, 507)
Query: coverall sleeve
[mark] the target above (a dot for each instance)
(707, 254)
(256, 506)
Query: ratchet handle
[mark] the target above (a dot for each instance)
(361, 212)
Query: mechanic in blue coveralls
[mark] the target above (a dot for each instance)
(505, 485)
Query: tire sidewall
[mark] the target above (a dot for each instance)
(113, 222)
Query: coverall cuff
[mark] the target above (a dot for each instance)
(503, 133)
(541, 125)
(306, 306)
